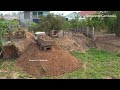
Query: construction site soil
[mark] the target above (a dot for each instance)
(17, 46)
(109, 43)
(58, 60)
(45, 37)
(47, 63)
(72, 42)
(53, 62)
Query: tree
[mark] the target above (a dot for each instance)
(51, 22)
(113, 23)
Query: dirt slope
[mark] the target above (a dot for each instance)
(21, 44)
(53, 62)
(73, 42)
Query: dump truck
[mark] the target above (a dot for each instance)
(45, 42)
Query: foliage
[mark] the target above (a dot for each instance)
(33, 26)
(75, 23)
(4, 28)
(116, 22)
(99, 23)
(51, 22)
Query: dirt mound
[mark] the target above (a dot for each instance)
(74, 42)
(17, 46)
(45, 37)
(48, 63)
(21, 44)
(9, 52)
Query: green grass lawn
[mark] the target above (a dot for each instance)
(97, 64)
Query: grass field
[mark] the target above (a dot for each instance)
(97, 64)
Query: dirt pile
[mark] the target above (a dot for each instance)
(48, 63)
(17, 46)
(21, 44)
(45, 37)
(9, 52)
(74, 42)
(19, 34)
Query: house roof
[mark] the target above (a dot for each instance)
(83, 13)
(72, 15)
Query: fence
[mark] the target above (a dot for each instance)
(87, 31)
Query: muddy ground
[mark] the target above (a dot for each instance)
(110, 43)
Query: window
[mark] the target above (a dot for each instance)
(34, 13)
(40, 13)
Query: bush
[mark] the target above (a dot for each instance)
(32, 26)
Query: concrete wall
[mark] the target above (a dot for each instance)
(24, 22)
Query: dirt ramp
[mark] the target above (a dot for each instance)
(48, 63)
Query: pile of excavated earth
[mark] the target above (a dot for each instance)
(57, 60)
(47, 63)
(53, 62)
(74, 42)
(17, 46)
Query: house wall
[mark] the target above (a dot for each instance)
(24, 22)
(45, 13)
(22, 17)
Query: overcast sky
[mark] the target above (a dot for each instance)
(55, 12)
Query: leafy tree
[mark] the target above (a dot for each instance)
(32, 26)
(51, 22)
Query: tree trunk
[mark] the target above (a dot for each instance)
(63, 33)
(118, 30)
(87, 31)
(93, 34)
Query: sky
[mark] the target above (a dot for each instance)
(63, 12)
(55, 12)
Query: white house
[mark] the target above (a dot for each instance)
(81, 15)
(73, 15)
(27, 17)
